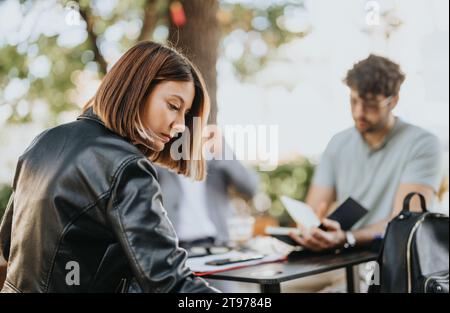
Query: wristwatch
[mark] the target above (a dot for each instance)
(350, 240)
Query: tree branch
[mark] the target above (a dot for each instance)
(92, 36)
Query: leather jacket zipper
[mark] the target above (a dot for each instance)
(122, 287)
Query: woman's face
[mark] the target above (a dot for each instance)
(165, 110)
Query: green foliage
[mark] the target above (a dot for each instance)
(5, 193)
(56, 87)
(291, 179)
(269, 31)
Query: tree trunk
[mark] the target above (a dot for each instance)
(198, 39)
(151, 16)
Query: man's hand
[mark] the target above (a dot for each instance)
(318, 240)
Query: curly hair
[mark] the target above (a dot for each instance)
(375, 75)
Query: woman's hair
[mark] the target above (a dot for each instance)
(375, 75)
(126, 88)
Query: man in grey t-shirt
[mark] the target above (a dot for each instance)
(377, 162)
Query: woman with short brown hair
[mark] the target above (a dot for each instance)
(86, 214)
(122, 102)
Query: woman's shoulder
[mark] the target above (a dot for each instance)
(85, 145)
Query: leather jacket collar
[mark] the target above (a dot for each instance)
(90, 115)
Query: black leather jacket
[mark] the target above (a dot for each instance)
(87, 205)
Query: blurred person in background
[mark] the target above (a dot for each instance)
(199, 209)
(377, 162)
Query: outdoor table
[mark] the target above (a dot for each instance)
(270, 276)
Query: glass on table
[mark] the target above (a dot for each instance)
(240, 229)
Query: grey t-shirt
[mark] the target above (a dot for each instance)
(408, 154)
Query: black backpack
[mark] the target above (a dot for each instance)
(414, 253)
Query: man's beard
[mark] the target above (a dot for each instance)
(373, 128)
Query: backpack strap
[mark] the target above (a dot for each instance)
(406, 202)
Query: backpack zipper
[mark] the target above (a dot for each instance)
(436, 276)
(408, 251)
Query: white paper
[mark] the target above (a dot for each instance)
(301, 212)
(284, 231)
(269, 245)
